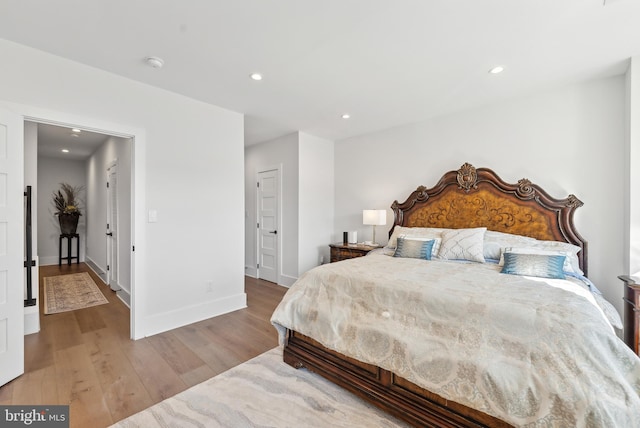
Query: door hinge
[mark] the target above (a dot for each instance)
(258, 226)
(107, 226)
(133, 248)
(258, 266)
(258, 184)
(107, 184)
(107, 267)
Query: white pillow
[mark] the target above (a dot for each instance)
(495, 242)
(463, 244)
(413, 232)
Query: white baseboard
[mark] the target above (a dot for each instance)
(287, 281)
(48, 260)
(53, 260)
(96, 268)
(31, 322)
(173, 319)
(125, 296)
(251, 271)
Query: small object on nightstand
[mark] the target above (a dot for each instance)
(631, 297)
(341, 251)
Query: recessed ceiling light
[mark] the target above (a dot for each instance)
(76, 130)
(497, 69)
(154, 61)
(346, 116)
(65, 150)
(256, 76)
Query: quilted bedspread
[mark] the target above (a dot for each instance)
(531, 354)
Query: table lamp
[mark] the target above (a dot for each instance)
(374, 218)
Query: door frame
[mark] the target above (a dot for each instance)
(278, 169)
(138, 192)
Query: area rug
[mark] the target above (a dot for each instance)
(263, 392)
(70, 292)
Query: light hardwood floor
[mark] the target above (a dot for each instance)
(85, 358)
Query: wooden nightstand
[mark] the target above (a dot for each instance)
(343, 252)
(631, 313)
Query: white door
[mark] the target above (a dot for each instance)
(11, 247)
(112, 227)
(268, 225)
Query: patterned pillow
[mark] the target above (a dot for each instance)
(540, 265)
(567, 267)
(463, 244)
(414, 248)
(436, 241)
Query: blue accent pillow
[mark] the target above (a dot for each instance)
(540, 265)
(414, 248)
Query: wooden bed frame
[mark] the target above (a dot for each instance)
(468, 197)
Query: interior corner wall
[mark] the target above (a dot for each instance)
(632, 169)
(114, 148)
(189, 164)
(280, 152)
(315, 201)
(52, 172)
(569, 141)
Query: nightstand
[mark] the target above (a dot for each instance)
(631, 313)
(348, 251)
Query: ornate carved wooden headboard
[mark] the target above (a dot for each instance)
(471, 197)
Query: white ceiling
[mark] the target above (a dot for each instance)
(385, 62)
(52, 139)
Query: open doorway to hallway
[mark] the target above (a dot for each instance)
(82, 158)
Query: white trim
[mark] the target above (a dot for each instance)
(287, 281)
(251, 271)
(165, 321)
(138, 193)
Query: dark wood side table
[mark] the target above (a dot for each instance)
(631, 313)
(69, 237)
(342, 251)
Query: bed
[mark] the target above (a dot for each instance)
(452, 341)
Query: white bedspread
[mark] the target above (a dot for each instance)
(525, 352)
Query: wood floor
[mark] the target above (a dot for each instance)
(85, 358)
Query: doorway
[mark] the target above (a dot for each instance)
(268, 204)
(116, 146)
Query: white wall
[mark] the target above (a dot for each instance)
(632, 170)
(189, 167)
(567, 141)
(52, 172)
(316, 201)
(283, 153)
(114, 149)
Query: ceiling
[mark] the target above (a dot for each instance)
(384, 62)
(52, 139)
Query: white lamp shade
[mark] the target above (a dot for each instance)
(374, 217)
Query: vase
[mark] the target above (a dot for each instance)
(68, 223)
